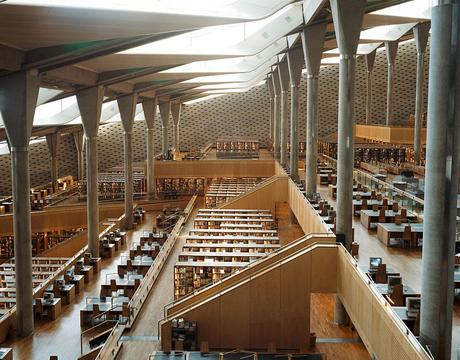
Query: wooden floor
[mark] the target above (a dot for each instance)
(61, 337)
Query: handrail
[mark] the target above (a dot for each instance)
(402, 193)
(238, 272)
(257, 187)
(91, 329)
(382, 301)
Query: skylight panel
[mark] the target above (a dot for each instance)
(419, 9)
(243, 9)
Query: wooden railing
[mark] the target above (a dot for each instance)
(383, 333)
(113, 344)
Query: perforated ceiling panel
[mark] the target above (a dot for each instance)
(241, 114)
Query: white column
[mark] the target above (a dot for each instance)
(150, 111)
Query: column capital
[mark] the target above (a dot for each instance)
(312, 43)
(165, 109)
(90, 106)
(176, 108)
(295, 62)
(150, 111)
(127, 106)
(283, 73)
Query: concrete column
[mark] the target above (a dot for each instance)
(283, 72)
(150, 111)
(79, 138)
(127, 106)
(176, 108)
(165, 109)
(90, 104)
(271, 91)
(295, 62)
(312, 42)
(277, 117)
(441, 176)
(421, 33)
(348, 18)
(18, 99)
(370, 60)
(391, 48)
(53, 141)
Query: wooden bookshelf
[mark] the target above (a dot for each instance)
(237, 148)
(222, 242)
(41, 242)
(222, 190)
(169, 187)
(111, 185)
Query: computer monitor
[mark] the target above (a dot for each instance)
(392, 281)
(69, 273)
(48, 296)
(413, 306)
(374, 263)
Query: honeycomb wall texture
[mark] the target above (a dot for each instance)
(246, 114)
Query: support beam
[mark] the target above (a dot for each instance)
(421, 33)
(283, 72)
(441, 177)
(313, 42)
(127, 106)
(53, 141)
(370, 60)
(150, 112)
(176, 108)
(271, 92)
(276, 111)
(79, 139)
(165, 109)
(348, 18)
(90, 105)
(295, 63)
(18, 99)
(391, 49)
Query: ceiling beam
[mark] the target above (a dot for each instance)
(53, 57)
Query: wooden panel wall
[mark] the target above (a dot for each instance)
(214, 168)
(309, 220)
(388, 134)
(271, 308)
(61, 217)
(378, 327)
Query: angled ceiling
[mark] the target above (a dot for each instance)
(177, 50)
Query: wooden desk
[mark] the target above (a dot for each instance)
(87, 272)
(113, 306)
(407, 291)
(141, 265)
(370, 217)
(401, 312)
(389, 272)
(127, 284)
(108, 250)
(96, 264)
(363, 194)
(79, 282)
(53, 308)
(67, 293)
(6, 354)
(357, 204)
(146, 250)
(388, 231)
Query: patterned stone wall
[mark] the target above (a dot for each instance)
(241, 114)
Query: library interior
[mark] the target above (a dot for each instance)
(230, 179)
